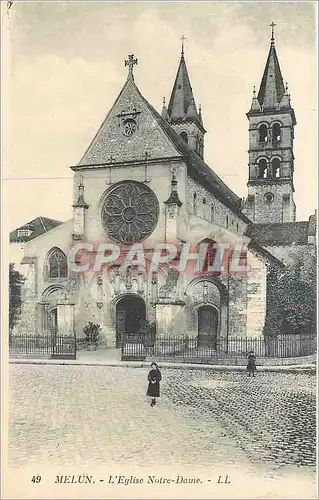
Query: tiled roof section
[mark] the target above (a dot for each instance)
(272, 87)
(253, 245)
(286, 233)
(38, 226)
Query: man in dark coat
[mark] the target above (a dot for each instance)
(154, 378)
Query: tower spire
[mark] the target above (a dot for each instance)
(272, 88)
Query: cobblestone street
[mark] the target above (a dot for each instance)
(100, 415)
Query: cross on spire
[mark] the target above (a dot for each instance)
(130, 62)
(183, 38)
(272, 25)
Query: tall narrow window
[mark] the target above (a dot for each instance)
(195, 204)
(227, 220)
(262, 169)
(212, 213)
(263, 133)
(276, 134)
(275, 167)
(57, 266)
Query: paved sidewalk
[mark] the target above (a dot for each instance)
(306, 367)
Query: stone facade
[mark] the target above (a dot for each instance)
(137, 148)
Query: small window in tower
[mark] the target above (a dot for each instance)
(275, 167)
(195, 204)
(276, 134)
(269, 197)
(204, 201)
(263, 133)
(184, 136)
(262, 169)
(212, 213)
(237, 227)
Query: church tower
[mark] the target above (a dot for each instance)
(182, 112)
(271, 159)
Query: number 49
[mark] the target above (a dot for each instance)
(36, 479)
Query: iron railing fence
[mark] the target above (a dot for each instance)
(48, 345)
(232, 350)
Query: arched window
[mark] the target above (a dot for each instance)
(194, 203)
(184, 136)
(276, 134)
(262, 169)
(212, 213)
(56, 264)
(263, 133)
(275, 167)
(204, 201)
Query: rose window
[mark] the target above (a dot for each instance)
(129, 127)
(130, 212)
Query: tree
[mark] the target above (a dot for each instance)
(292, 298)
(16, 280)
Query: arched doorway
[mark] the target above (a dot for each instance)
(130, 312)
(53, 320)
(207, 326)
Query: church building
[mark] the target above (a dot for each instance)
(144, 180)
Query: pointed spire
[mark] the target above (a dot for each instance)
(173, 197)
(255, 106)
(182, 93)
(272, 87)
(164, 110)
(80, 201)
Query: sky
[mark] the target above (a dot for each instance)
(63, 66)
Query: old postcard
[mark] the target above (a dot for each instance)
(159, 249)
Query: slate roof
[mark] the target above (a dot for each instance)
(272, 87)
(283, 234)
(38, 226)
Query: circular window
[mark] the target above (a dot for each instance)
(130, 212)
(129, 127)
(269, 197)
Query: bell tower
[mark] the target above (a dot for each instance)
(271, 159)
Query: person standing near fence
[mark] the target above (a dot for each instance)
(251, 365)
(154, 379)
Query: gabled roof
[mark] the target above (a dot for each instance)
(38, 226)
(157, 137)
(272, 87)
(281, 234)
